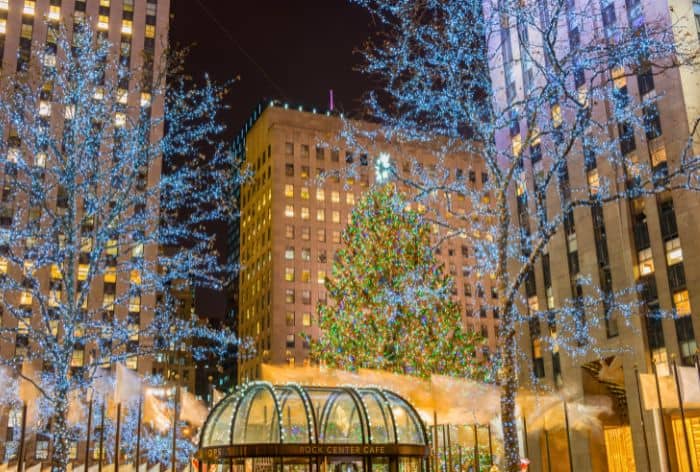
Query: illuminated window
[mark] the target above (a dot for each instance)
(3, 265)
(13, 154)
(54, 13)
(305, 254)
(290, 344)
(4, 5)
(306, 275)
(137, 251)
(49, 60)
(533, 304)
(304, 213)
(289, 274)
(674, 252)
(537, 348)
(306, 319)
(320, 214)
(516, 144)
(108, 301)
(593, 181)
(145, 99)
(135, 304)
(290, 319)
(556, 115)
(3, 26)
(336, 237)
(646, 262)
(305, 233)
(320, 195)
(135, 277)
(122, 96)
(289, 253)
(112, 249)
(103, 22)
(335, 196)
(119, 119)
(150, 31)
(26, 31)
(321, 235)
(29, 8)
(682, 303)
(289, 211)
(289, 190)
(305, 193)
(618, 75)
(335, 216)
(304, 172)
(550, 298)
(83, 270)
(78, 358)
(289, 295)
(54, 298)
(127, 27)
(350, 198)
(289, 231)
(25, 298)
(658, 152)
(321, 277)
(306, 297)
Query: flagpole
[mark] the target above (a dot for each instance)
(138, 437)
(641, 418)
(102, 435)
(680, 403)
(436, 440)
(176, 414)
(490, 444)
(89, 431)
(449, 448)
(476, 448)
(116, 437)
(20, 452)
(568, 438)
(661, 413)
(527, 449)
(444, 448)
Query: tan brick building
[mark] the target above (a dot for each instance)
(291, 226)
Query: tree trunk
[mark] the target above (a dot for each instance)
(60, 431)
(508, 375)
(509, 389)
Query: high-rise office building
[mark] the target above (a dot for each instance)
(647, 242)
(291, 224)
(139, 31)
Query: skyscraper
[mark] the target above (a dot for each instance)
(292, 218)
(646, 241)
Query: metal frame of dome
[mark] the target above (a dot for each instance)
(215, 446)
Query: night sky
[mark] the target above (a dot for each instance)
(292, 50)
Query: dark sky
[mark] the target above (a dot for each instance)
(293, 50)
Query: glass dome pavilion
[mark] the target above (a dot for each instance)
(322, 429)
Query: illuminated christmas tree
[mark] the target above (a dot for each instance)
(390, 302)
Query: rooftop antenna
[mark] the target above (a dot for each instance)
(332, 103)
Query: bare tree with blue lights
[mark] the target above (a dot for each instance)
(535, 91)
(96, 185)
